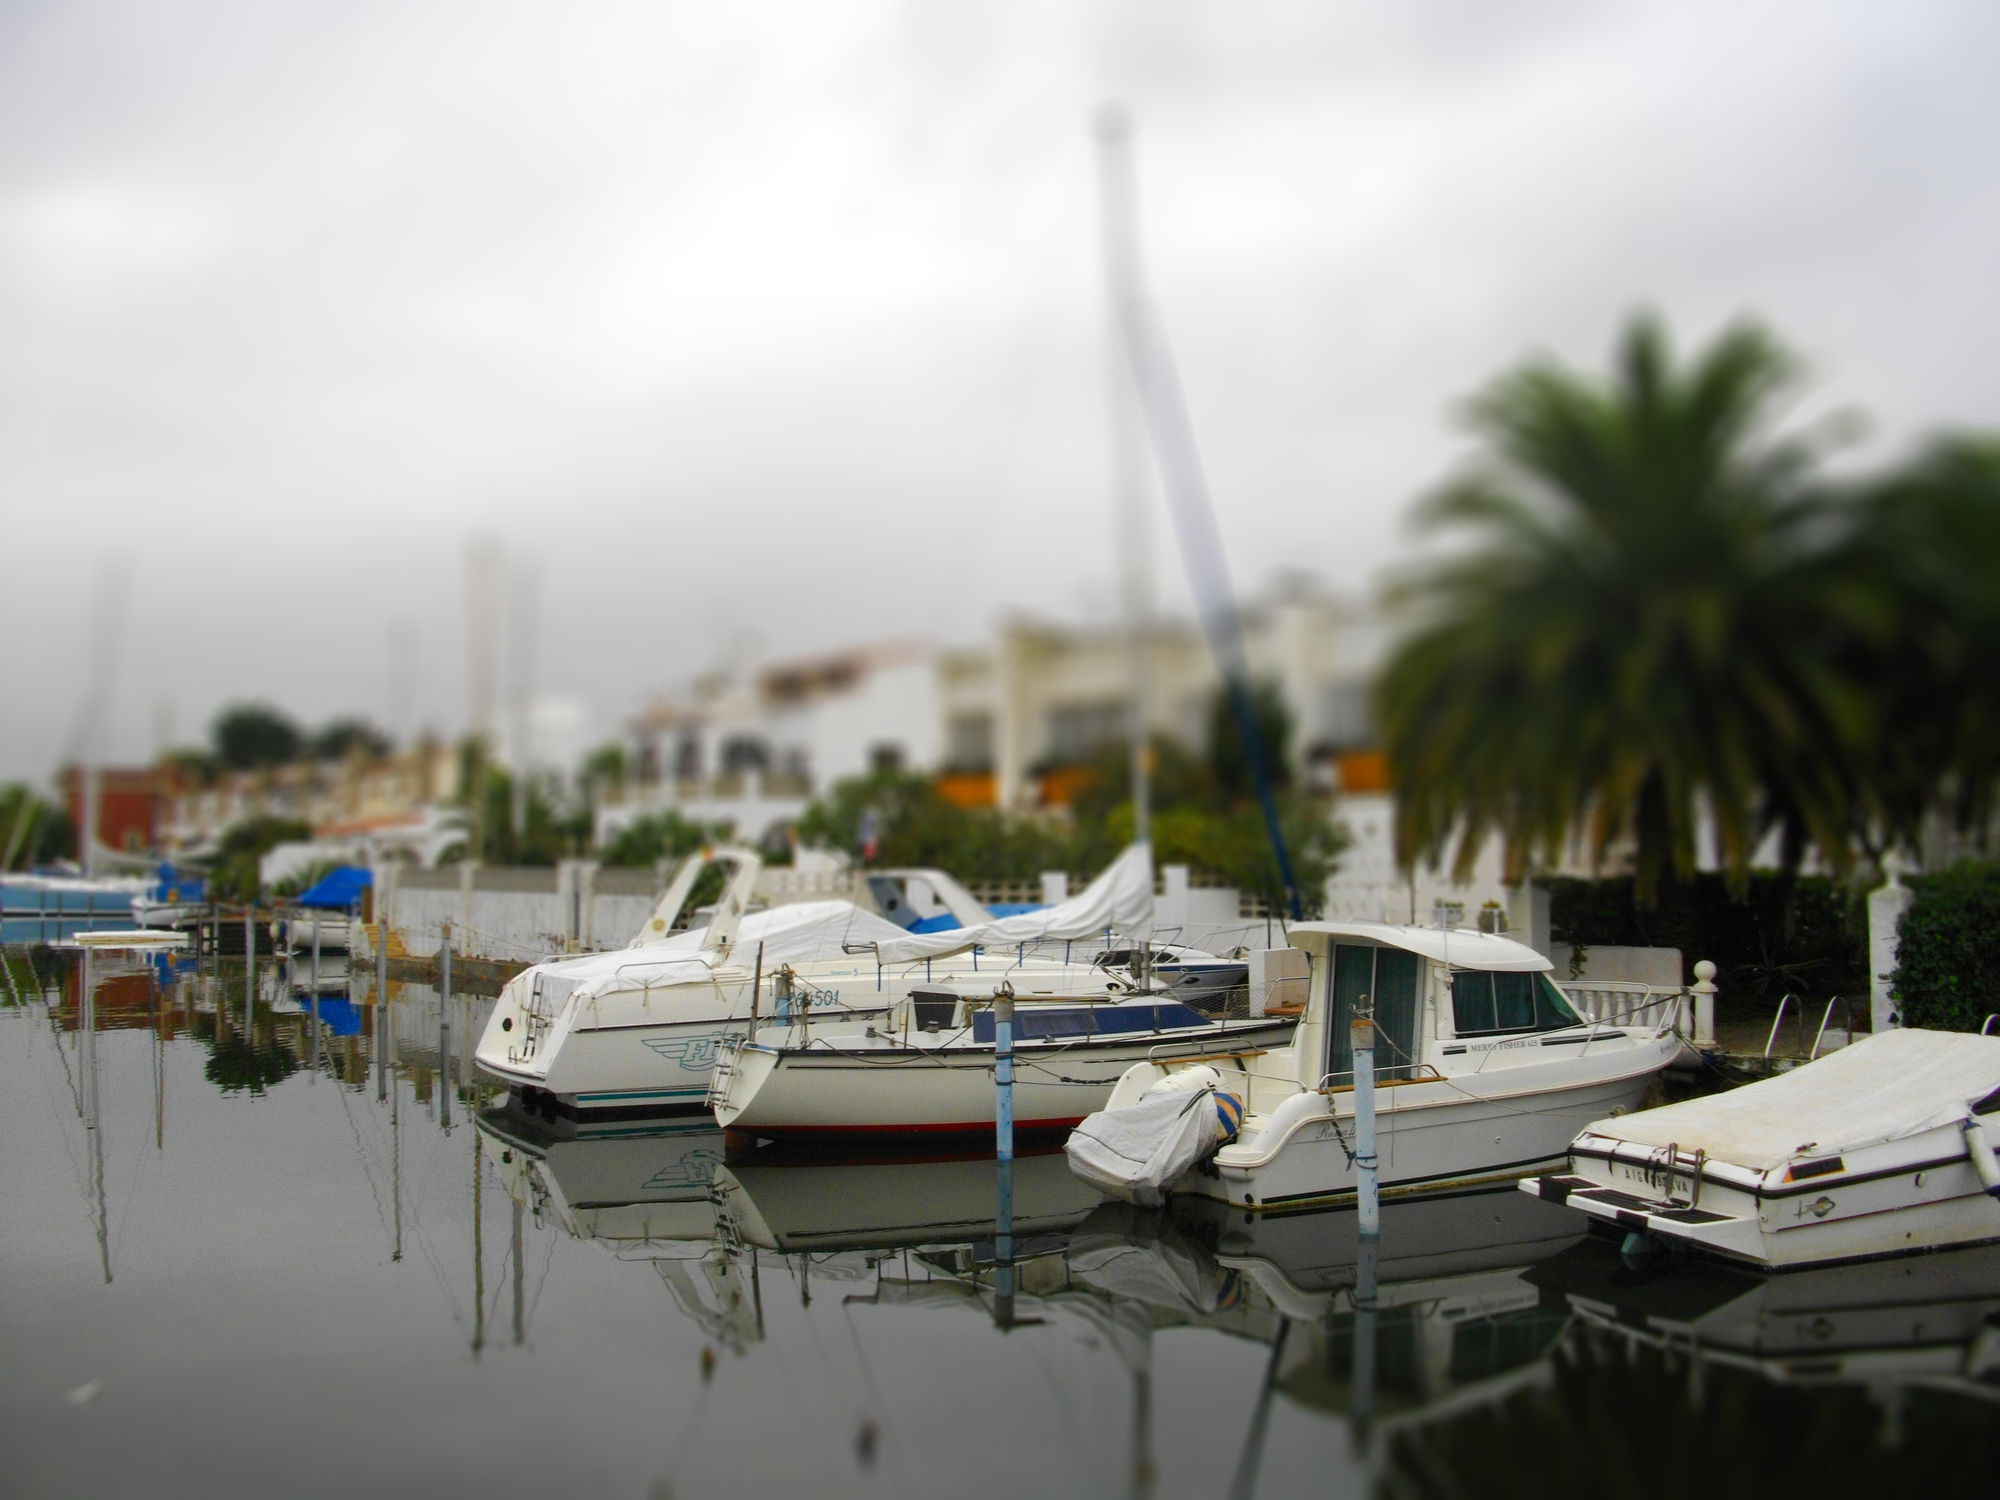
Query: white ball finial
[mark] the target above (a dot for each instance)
(1704, 971)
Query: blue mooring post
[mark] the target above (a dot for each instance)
(1362, 1038)
(1368, 1219)
(1003, 1152)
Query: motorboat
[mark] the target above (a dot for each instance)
(927, 1067)
(1886, 1147)
(38, 908)
(1484, 1073)
(324, 916)
(641, 1027)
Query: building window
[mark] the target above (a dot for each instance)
(885, 759)
(1076, 731)
(1345, 720)
(742, 753)
(968, 742)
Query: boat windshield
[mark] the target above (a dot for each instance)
(1484, 1002)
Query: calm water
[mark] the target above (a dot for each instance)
(277, 1257)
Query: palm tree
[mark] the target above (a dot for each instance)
(1650, 627)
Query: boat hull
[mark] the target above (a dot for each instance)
(1906, 1197)
(1432, 1136)
(886, 1089)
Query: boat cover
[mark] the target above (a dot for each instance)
(1133, 1152)
(1886, 1087)
(802, 933)
(1120, 900)
(340, 888)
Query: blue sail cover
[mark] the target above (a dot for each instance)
(340, 888)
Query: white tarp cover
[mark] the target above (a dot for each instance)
(1166, 1271)
(1885, 1087)
(1134, 1152)
(805, 932)
(1120, 900)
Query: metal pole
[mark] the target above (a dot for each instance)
(444, 1026)
(1003, 1151)
(1366, 1200)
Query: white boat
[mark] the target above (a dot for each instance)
(927, 1067)
(641, 1027)
(1484, 1073)
(1883, 1148)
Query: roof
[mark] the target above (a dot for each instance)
(1461, 947)
(1885, 1087)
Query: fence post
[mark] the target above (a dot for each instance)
(1886, 905)
(1703, 991)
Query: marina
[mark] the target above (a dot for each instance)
(229, 1190)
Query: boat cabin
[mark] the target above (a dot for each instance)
(1439, 995)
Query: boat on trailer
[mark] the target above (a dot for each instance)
(1484, 1073)
(1886, 1147)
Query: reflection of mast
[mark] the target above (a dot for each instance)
(514, 1251)
(1244, 1485)
(92, 1122)
(478, 1256)
(159, 1072)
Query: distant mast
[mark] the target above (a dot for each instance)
(1118, 199)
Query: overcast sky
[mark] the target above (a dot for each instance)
(789, 319)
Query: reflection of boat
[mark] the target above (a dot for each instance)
(642, 1192)
(1484, 1073)
(1427, 1236)
(1886, 1147)
(330, 977)
(630, 1181)
(1932, 1322)
(885, 1204)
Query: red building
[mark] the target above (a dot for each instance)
(129, 803)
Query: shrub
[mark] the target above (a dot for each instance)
(1948, 968)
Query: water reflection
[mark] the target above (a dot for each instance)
(641, 1276)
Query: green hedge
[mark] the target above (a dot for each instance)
(1810, 940)
(1948, 963)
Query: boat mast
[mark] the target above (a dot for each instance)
(1118, 202)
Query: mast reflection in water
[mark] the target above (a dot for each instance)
(384, 1300)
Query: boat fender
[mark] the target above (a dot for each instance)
(1981, 1153)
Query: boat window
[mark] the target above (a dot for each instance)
(1394, 978)
(1055, 1023)
(1484, 1002)
(931, 1010)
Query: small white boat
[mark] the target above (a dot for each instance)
(1484, 1073)
(1883, 1148)
(927, 1067)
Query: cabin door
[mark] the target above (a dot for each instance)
(1394, 978)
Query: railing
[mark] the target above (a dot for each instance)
(1624, 1002)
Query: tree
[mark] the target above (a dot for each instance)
(339, 738)
(250, 735)
(33, 830)
(234, 875)
(1651, 627)
(665, 835)
(1927, 554)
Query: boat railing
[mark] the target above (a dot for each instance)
(1986, 1026)
(1598, 1001)
(1847, 1014)
(1342, 1080)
